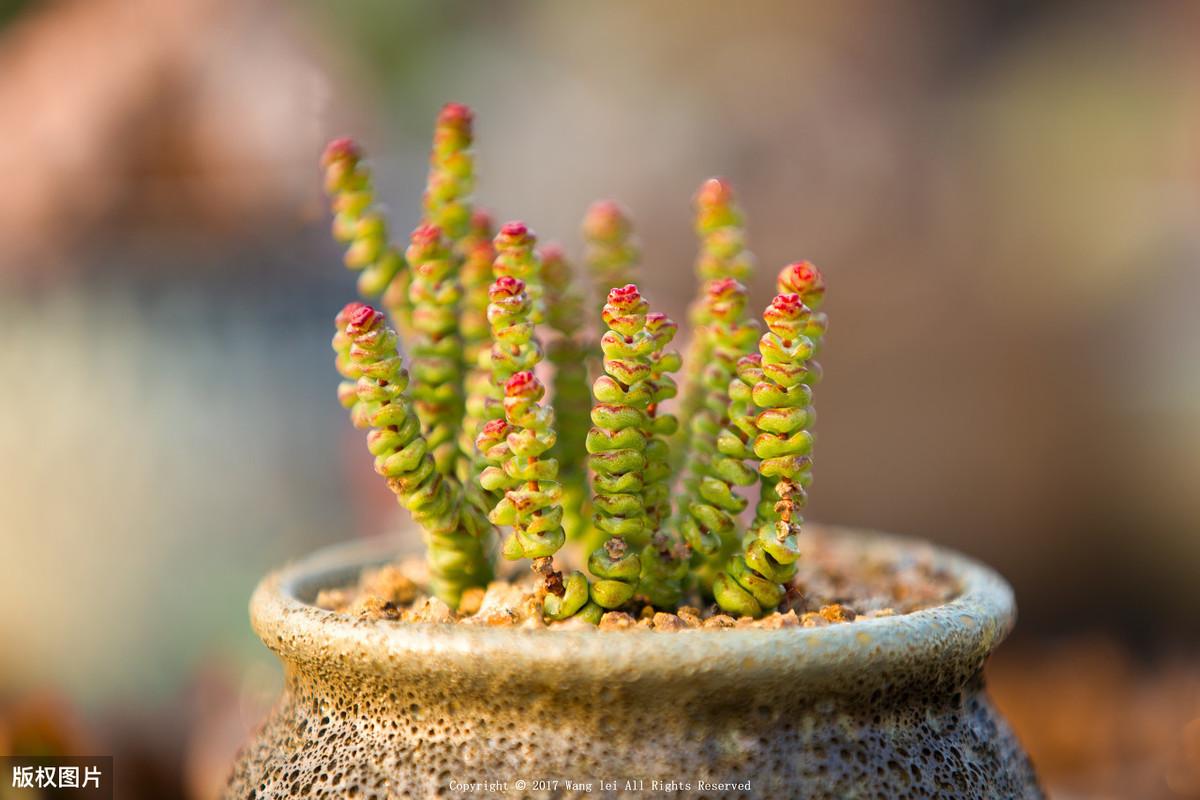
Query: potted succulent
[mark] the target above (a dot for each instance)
(805, 661)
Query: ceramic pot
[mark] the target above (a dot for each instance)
(892, 707)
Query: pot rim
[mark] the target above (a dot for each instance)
(958, 634)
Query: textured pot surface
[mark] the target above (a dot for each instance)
(891, 707)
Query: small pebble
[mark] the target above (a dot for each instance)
(472, 600)
(616, 621)
(836, 612)
(374, 607)
(500, 605)
(334, 599)
(431, 610)
(390, 583)
(776, 621)
(668, 622)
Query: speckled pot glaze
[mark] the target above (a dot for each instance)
(892, 707)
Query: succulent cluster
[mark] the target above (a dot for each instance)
(486, 459)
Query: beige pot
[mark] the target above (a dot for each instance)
(892, 707)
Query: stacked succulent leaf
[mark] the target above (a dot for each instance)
(478, 453)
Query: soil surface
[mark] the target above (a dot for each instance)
(837, 582)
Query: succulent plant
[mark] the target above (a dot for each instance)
(357, 220)
(567, 353)
(723, 256)
(651, 495)
(777, 380)
(721, 434)
(377, 391)
(611, 252)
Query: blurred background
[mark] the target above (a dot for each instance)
(1003, 196)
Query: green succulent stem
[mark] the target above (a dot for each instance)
(512, 314)
(358, 222)
(532, 502)
(515, 446)
(568, 354)
(716, 463)
(656, 495)
(475, 275)
(475, 330)
(447, 201)
(514, 349)
(754, 581)
(722, 256)
(516, 257)
(665, 556)
(804, 279)
(368, 359)
(617, 444)
(437, 347)
(611, 253)
(447, 205)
